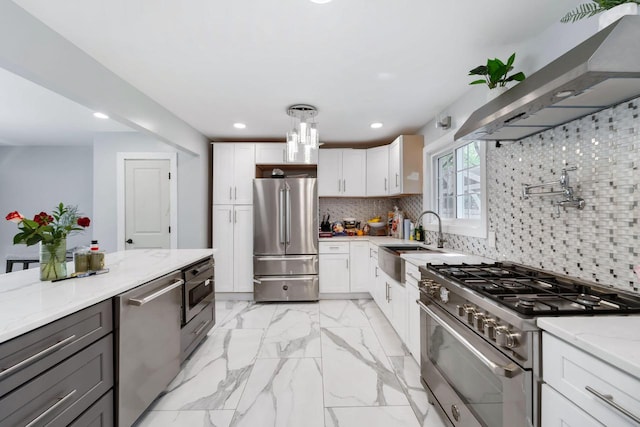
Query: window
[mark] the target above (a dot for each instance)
(459, 193)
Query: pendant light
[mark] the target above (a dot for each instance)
(303, 137)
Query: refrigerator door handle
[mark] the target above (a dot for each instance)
(288, 215)
(281, 218)
(288, 258)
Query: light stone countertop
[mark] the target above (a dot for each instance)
(26, 303)
(443, 256)
(614, 339)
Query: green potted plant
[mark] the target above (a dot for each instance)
(587, 10)
(496, 72)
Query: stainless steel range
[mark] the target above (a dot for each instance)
(480, 355)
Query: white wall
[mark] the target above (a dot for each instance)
(192, 188)
(531, 55)
(35, 179)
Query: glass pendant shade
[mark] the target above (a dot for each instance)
(304, 137)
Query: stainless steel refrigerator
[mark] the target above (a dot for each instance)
(285, 239)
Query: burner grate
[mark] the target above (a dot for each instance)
(535, 292)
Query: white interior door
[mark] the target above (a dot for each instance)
(147, 204)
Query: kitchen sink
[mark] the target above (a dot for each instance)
(408, 249)
(390, 262)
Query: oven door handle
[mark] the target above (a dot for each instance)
(501, 370)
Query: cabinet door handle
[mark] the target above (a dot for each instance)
(235, 193)
(39, 355)
(201, 327)
(230, 193)
(338, 186)
(344, 185)
(157, 294)
(235, 217)
(376, 271)
(347, 264)
(52, 408)
(386, 287)
(397, 177)
(284, 155)
(608, 399)
(385, 184)
(229, 215)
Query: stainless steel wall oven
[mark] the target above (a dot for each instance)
(198, 289)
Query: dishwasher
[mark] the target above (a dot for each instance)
(148, 351)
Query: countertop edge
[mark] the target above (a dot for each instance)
(602, 336)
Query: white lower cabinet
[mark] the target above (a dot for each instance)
(334, 273)
(344, 267)
(412, 339)
(398, 300)
(558, 411)
(392, 302)
(597, 389)
(233, 239)
(359, 263)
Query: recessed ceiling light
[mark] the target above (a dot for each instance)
(320, 1)
(239, 125)
(376, 125)
(99, 115)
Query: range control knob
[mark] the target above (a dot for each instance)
(478, 321)
(434, 290)
(506, 338)
(490, 328)
(425, 283)
(471, 311)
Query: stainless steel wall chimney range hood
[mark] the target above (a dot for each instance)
(602, 71)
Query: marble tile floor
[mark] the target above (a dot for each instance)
(335, 363)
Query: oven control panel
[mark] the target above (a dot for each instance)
(481, 321)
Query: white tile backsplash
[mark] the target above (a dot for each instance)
(600, 243)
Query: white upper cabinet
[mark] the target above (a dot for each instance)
(275, 153)
(272, 153)
(342, 172)
(405, 165)
(378, 171)
(233, 173)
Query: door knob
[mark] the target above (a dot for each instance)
(129, 241)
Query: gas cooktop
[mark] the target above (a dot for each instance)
(530, 291)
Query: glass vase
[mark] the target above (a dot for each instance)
(53, 260)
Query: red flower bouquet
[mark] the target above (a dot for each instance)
(51, 232)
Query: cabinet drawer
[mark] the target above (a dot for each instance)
(573, 373)
(30, 354)
(411, 273)
(334, 248)
(194, 331)
(61, 394)
(557, 411)
(100, 414)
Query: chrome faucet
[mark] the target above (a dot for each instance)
(440, 238)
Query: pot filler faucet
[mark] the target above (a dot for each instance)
(440, 239)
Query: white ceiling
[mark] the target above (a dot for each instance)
(213, 63)
(32, 115)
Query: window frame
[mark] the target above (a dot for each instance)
(465, 227)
